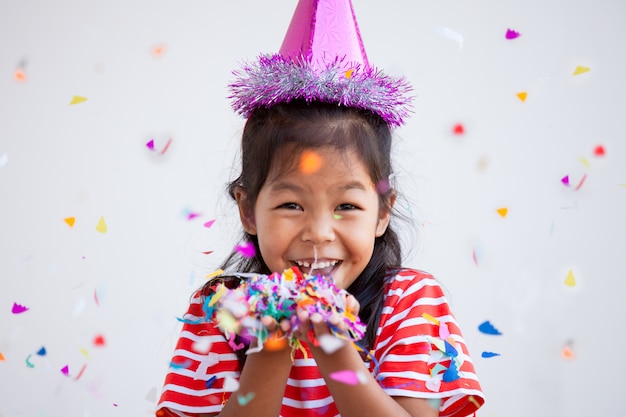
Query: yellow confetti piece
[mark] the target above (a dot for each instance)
(102, 226)
(522, 96)
(70, 221)
(430, 318)
(84, 352)
(310, 162)
(474, 401)
(570, 281)
(349, 73)
(503, 211)
(581, 70)
(77, 100)
(218, 294)
(584, 162)
(337, 216)
(214, 274)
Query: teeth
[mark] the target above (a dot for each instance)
(318, 265)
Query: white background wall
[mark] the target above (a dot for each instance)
(90, 160)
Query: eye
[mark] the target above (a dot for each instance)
(346, 206)
(290, 206)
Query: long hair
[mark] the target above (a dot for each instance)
(301, 126)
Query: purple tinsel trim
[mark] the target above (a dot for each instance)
(275, 79)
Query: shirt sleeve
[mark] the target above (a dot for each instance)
(200, 364)
(419, 350)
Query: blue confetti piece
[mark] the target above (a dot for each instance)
(450, 350)
(42, 351)
(489, 354)
(210, 382)
(452, 373)
(488, 328)
(180, 365)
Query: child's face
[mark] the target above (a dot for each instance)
(334, 211)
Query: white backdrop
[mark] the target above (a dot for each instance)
(104, 304)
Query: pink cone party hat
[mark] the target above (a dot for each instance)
(322, 58)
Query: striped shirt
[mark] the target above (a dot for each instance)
(418, 352)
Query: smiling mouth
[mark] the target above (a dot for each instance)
(319, 268)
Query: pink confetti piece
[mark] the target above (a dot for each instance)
(233, 345)
(167, 145)
(150, 144)
(246, 249)
(383, 186)
(444, 332)
(565, 180)
(582, 181)
(346, 377)
(65, 370)
(511, 34)
(18, 308)
(80, 373)
(209, 224)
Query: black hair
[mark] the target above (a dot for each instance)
(300, 126)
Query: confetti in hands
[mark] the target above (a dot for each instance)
(244, 309)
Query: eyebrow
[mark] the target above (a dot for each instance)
(290, 186)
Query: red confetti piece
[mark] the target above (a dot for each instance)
(512, 34)
(80, 373)
(99, 340)
(458, 129)
(167, 145)
(582, 181)
(246, 249)
(207, 252)
(18, 308)
(599, 151)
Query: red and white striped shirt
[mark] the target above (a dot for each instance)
(409, 351)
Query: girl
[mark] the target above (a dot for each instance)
(314, 193)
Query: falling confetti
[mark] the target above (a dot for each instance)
(450, 34)
(582, 181)
(20, 75)
(570, 281)
(511, 34)
(488, 328)
(77, 100)
(522, 96)
(202, 345)
(568, 353)
(585, 162)
(150, 144)
(80, 373)
(158, 51)
(337, 216)
(310, 162)
(99, 341)
(209, 224)
(4, 159)
(458, 129)
(29, 363)
(347, 377)
(581, 70)
(599, 151)
(2, 359)
(230, 384)
(65, 370)
(246, 249)
(84, 352)
(243, 400)
(42, 351)
(565, 180)
(18, 308)
(503, 211)
(101, 226)
(330, 344)
(214, 274)
(70, 221)
(489, 354)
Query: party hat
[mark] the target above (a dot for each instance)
(322, 58)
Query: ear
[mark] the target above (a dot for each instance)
(385, 216)
(246, 213)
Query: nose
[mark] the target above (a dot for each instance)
(318, 228)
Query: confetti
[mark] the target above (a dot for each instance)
(599, 151)
(431, 318)
(346, 377)
(383, 186)
(247, 249)
(150, 144)
(99, 340)
(337, 216)
(84, 352)
(4, 159)
(2, 359)
(230, 384)
(503, 211)
(28, 362)
(310, 162)
(450, 34)
(101, 226)
(18, 308)
(349, 73)
(70, 221)
(80, 373)
(203, 345)
(243, 400)
(66, 370)
(511, 34)
(181, 365)
(585, 162)
(433, 384)
(42, 351)
(330, 344)
(209, 224)
(19, 75)
(458, 129)
(474, 401)
(570, 281)
(214, 274)
(452, 373)
(565, 180)
(488, 328)
(210, 382)
(489, 354)
(582, 181)
(567, 353)
(522, 96)
(77, 100)
(581, 70)
(158, 51)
